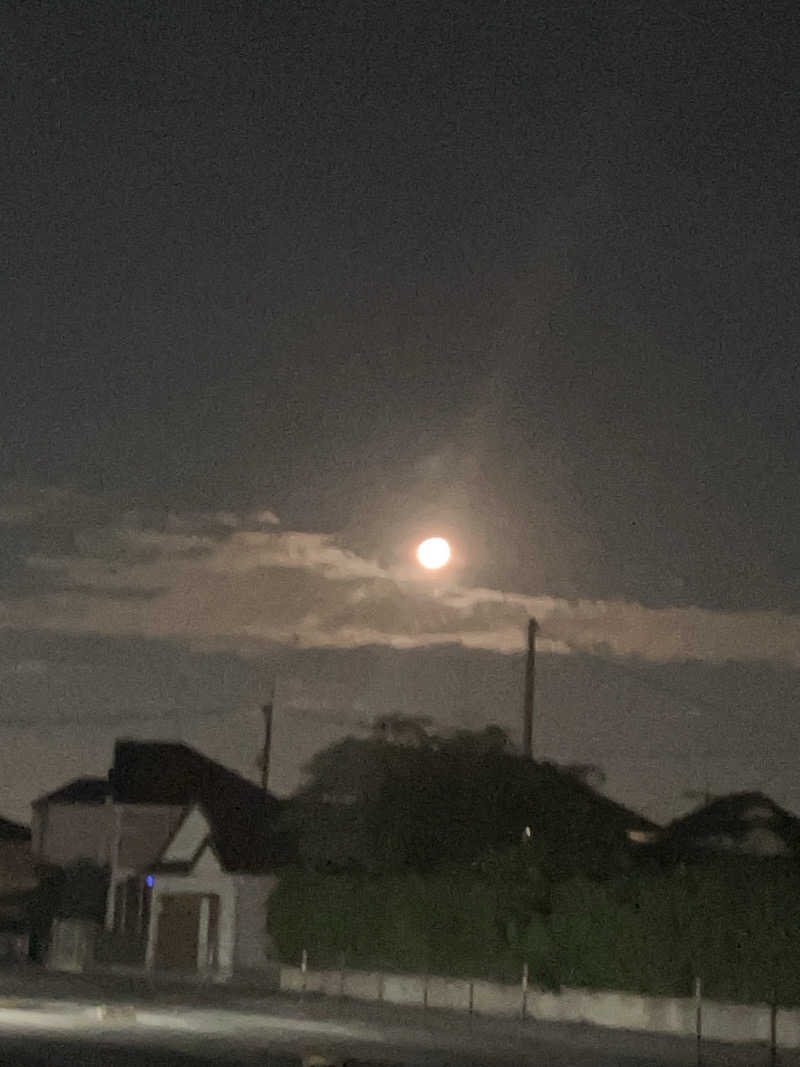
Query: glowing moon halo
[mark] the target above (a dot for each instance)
(433, 553)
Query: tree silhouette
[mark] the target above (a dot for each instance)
(405, 798)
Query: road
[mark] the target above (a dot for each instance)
(103, 1018)
(83, 1023)
(281, 1049)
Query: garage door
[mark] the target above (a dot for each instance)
(178, 931)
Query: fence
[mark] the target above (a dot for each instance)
(691, 1017)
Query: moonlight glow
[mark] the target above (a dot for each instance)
(433, 553)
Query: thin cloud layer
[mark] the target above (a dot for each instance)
(221, 580)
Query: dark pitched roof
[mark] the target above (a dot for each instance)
(733, 818)
(564, 793)
(163, 866)
(13, 831)
(241, 815)
(78, 791)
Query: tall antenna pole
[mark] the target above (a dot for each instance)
(530, 685)
(267, 709)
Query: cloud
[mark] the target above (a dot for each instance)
(26, 506)
(30, 666)
(265, 518)
(198, 520)
(56, 506)
(246, 589)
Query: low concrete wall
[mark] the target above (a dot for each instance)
(787, 1025)
(489, 998)
(72, 944)
(406, 989)
(291, 979)
(363, 985)
(733, 1023)
(451, 994)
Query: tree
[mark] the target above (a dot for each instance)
(76, 891)
(590, 773)
(402, 798)
(399, 729)
(406, 798)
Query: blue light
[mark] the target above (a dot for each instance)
(149, 879)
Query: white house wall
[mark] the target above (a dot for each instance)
(253, 948)
(189, 837)
(207, 865)
(207, 878)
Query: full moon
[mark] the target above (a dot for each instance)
(433, 553)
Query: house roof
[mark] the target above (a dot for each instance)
(564, 793)
(13, 831)
(734, 822)
(78, 791)
(187, 865)
(240, 814)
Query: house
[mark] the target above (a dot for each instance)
(740, 824)
(89, 820)
(127, 822)
(588, 831)
(19, 879)
(209, 891)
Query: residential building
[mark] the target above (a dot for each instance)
(19, 879)
(126, 821)
(739, 824)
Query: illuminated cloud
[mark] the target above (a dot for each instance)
(245, 589)
(265, 518)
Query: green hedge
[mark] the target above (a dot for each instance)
(737, 926)
(442, 925)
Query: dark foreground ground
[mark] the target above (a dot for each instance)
(415, 1049)
(35, 1049)
(94, 1020)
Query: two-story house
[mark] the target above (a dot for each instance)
(125, 822)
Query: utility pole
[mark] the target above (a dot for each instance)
(530, 685)
(267, 710)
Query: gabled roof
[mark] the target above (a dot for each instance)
(240, 814)
(566, 794)
(78, 791)
(187, 865)
(741, 822)
(13, 831)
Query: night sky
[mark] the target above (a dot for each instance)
(287, 286)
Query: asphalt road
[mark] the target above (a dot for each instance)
(283, 1032)
(202, 1050)
(141, 1023)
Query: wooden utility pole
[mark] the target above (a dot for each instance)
(530, 685)
(267, 710)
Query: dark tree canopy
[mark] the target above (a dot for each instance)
(408, 798)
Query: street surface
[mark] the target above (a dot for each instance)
(99, 1019)
(282, 1043)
